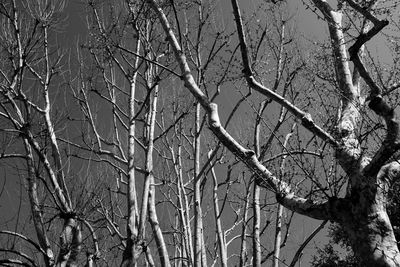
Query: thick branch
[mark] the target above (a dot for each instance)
(355, 48)
(363, 11)
(350, 150)
(392, 140)
(263, 176)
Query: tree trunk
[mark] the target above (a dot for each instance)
(370, 232)
(372, 238)
(256, 227)
(366, 222)
(133, 249)
(362, 213)
(70, 243)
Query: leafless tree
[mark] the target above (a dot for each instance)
(122, 163)
(361, 211)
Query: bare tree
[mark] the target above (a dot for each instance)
(120, 163)
(30, 74)
(362, 210)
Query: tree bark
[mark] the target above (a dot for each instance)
(217, 214)
(256, 226)
(365, 220)
(133, 248)
(362, 213)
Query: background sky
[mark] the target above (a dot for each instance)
(302, 226)
(14, 209)
(75, 30)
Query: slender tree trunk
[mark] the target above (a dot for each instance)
(132, 251)
(243, 245)
(161, 246)
(256, 226)
(199, 252)
(35, 207)
(278, 226)
(184, 209)
(278, 235)
(220, 233)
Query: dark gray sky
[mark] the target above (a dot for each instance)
(76, 29)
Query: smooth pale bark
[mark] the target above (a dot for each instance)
(133, 248)
(278, 235)
(28, 114)
(183, 206)
(256, 226)
(217, 216)
(243, 244)
(35, 207)
(151, 205)
(278, 223)
(148, 135)
(200, 258)
(49, 124)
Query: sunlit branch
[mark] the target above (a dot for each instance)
(305, 118)
(264, 177)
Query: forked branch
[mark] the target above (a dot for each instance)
(264, 177)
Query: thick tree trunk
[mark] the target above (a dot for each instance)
(371, 236)
(362, 213)
(372, 239)
(366, 221)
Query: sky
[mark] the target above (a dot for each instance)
(75, 30)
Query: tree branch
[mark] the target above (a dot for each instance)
(304, 117)
(263, 176)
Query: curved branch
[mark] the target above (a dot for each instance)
(263, 176)
(30, 241)
(305, 243)
(392, 140)
(23, 255)
(14, 262)
(304, 117)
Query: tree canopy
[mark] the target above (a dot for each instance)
(194, 133)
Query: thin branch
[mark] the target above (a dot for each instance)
(27, 239)
(305, 118)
